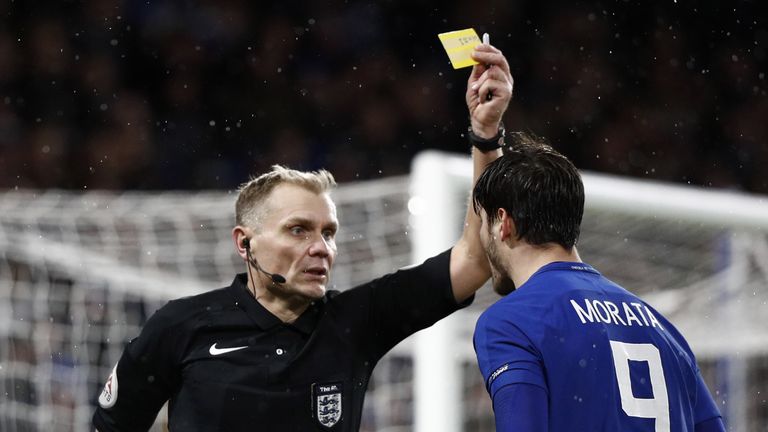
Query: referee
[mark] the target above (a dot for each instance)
(276, 351)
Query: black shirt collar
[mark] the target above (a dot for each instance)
(307, 321)
(263, 318)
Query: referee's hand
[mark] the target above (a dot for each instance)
(489, 90)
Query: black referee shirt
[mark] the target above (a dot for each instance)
(228, 364)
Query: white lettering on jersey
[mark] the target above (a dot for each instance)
(108, 396)
(584, 315)
(630, 315)
(497, 372)
(639, 308)
(603, 311)
(615, 313)
(654, 321)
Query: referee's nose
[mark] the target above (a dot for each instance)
(320, 248)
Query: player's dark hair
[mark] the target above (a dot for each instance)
(538, 187)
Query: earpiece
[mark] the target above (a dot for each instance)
(276, 278)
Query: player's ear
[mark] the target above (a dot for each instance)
(506, 225)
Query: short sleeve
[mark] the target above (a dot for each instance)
(505, 354)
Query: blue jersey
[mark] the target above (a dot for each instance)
(605, 359)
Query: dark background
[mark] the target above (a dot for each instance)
(152, 94)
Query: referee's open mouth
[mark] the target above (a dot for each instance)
(320, 272)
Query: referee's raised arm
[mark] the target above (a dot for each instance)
(267, 349)
(489, 90)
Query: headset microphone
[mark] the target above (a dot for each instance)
(276, 278)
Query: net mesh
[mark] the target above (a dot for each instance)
(81, 272)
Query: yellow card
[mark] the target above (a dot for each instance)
(458, 45)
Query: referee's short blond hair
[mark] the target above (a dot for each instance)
(249, 210)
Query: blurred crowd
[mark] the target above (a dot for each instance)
(160, 94)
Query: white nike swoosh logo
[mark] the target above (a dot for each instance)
(218, 351)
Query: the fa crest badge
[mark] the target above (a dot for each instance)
(326, 398)
(108, 396)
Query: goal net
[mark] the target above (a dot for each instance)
(80, 272)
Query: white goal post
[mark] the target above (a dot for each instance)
(81, 271)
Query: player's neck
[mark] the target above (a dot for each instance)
(527, 259)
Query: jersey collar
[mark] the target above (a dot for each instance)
(245, 301)
(307, 321)
(566, 266)
(262, 317)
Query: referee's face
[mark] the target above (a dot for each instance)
(298, 240)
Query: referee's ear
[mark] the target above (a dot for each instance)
(241, 238)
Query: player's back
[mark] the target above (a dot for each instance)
(608, 361)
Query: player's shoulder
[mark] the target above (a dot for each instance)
(517, 307)
(514, 320)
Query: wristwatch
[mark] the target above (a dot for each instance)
(487, 144)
